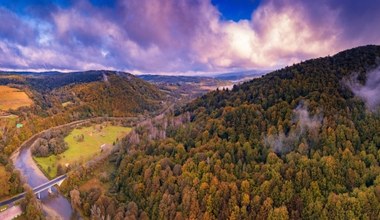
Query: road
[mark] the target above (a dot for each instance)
(32, 139)
(49, 184)
(38, 189)
(22, 160)
(10, 201)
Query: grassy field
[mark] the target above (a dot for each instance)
(80, 151)
(12, 98)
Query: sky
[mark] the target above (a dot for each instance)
(179, 36)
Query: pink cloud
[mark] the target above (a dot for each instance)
(182, 35)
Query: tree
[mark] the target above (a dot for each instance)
(30, 205)
(4, 182)
(280, 213)
(75, 199)
(265, 209)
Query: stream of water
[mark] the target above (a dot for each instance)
(55, 203)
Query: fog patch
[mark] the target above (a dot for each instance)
(302, 124)
(370, 91)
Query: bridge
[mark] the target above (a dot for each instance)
(37, 190)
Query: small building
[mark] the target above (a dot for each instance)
(19, 125)
(102, 147)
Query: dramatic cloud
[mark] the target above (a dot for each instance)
(303, 123)
(370, 91)
(179, 35)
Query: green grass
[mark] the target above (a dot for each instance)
(82, 151)
(45, 162)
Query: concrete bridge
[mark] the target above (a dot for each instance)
(37, 190)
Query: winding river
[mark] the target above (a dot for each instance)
(55, 205)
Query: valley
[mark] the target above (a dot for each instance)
(47, 112)
(186, 88)
(189, 109)
(131, 149)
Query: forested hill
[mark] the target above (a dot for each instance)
(298, 143)
(322, 76)
(119, 94)
(59, 98)
(92, 93)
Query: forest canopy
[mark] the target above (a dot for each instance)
(297, 143)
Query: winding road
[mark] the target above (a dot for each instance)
(57, 206)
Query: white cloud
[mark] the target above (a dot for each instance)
(180, 36)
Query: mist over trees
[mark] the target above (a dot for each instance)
(220, 164)
(369, 92)
(293, 144)
(296, 143)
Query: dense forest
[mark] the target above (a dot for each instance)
(60, 98)
(298, 143)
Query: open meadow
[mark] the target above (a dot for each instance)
(12, 98)
(83, 144)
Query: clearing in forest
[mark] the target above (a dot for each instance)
(83, 144)
(12, 98)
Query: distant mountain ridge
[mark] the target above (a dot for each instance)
(49, 80)
(173, 79)
(229, 76)
(240, 75)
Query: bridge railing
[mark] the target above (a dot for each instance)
(36, 190)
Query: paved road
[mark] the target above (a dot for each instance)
(35, 190)
(49, 184)
(32, 139)
(12, 200)
(23, 161)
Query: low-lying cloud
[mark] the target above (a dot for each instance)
(304, 123)
(370, 91)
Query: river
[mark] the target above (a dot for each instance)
(54, 205)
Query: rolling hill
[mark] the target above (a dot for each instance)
(45, 100)
(56, 98)
(301, 142)
(98, 92)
